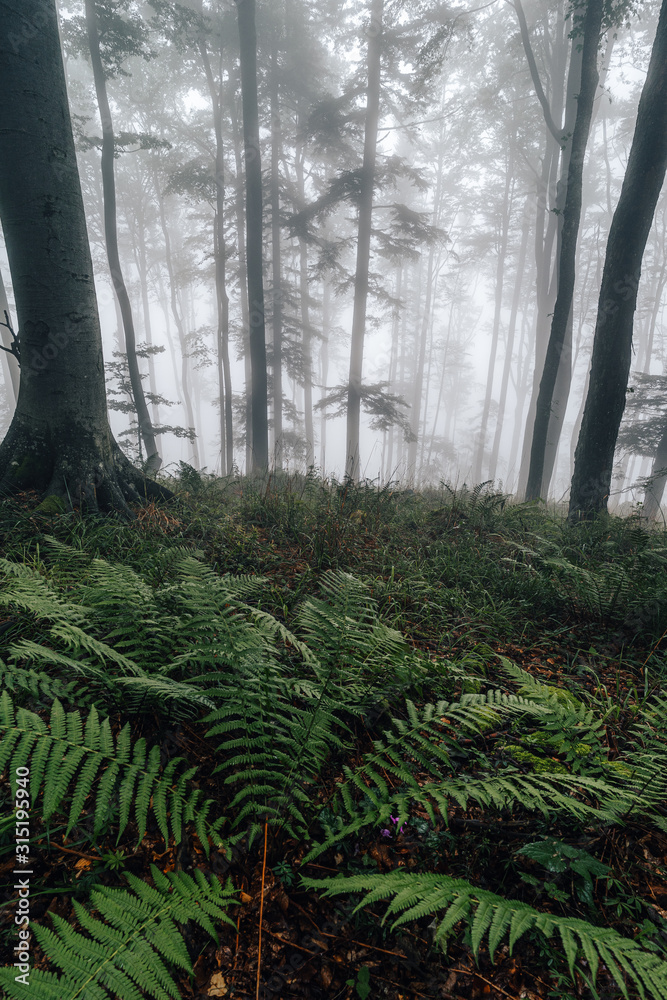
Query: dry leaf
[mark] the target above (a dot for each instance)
(245, 898)
(217, 986)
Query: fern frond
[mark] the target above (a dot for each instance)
(489, 915)
(67, 759)
(126, 954)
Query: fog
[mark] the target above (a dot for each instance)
(467, 190)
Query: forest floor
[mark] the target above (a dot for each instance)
(467, 691)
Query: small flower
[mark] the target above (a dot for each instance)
(386, 833)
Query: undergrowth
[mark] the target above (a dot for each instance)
(453, 701)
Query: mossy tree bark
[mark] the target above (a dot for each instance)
(59, 441)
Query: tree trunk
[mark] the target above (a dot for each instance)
(178, 320)
(612, 344)
(566, 270)
(656, 488)
(153, 460)
(254, 254)
(59, 440)
(373, 61)
(243, 286)
(500, 280)
(324, 370)
(220, 256)
(276, 275)
(509, 347)
(547, 229)
(9, 362)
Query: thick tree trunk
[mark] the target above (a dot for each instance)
(566, 272)
(59, 441)
(612, 345)
(373, 61)
(153, 460)
(253, 173)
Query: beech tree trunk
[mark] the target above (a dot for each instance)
(153, 460)
(373, 62)
(254, 252)
(612, 344)
(59, 441)
(561, 322)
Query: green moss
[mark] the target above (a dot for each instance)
(540, 765)
(51, 505)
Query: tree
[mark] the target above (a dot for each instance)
(612, 344)
(568, 248)
(644, 432)
(367, 183)
(153, 460)
(59, 441)
(254, 252)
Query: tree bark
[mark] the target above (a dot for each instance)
(509, 347)
(495, 336)
(612, 345)
(178, 320)
(276, 271)
(220, 257)
(567, 260)
(239, 210)
(59, 441)
(254, 250)
(373, 62)
(153, 460)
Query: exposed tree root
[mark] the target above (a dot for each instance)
(75, 472)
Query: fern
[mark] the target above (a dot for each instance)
(64, 757)
(489, 915)
(127, 953)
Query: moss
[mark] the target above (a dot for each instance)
(52, 505)
(540, 765)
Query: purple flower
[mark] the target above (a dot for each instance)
(386, 833)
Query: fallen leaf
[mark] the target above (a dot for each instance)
(217, 986)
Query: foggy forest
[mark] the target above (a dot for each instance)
(333, 454)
